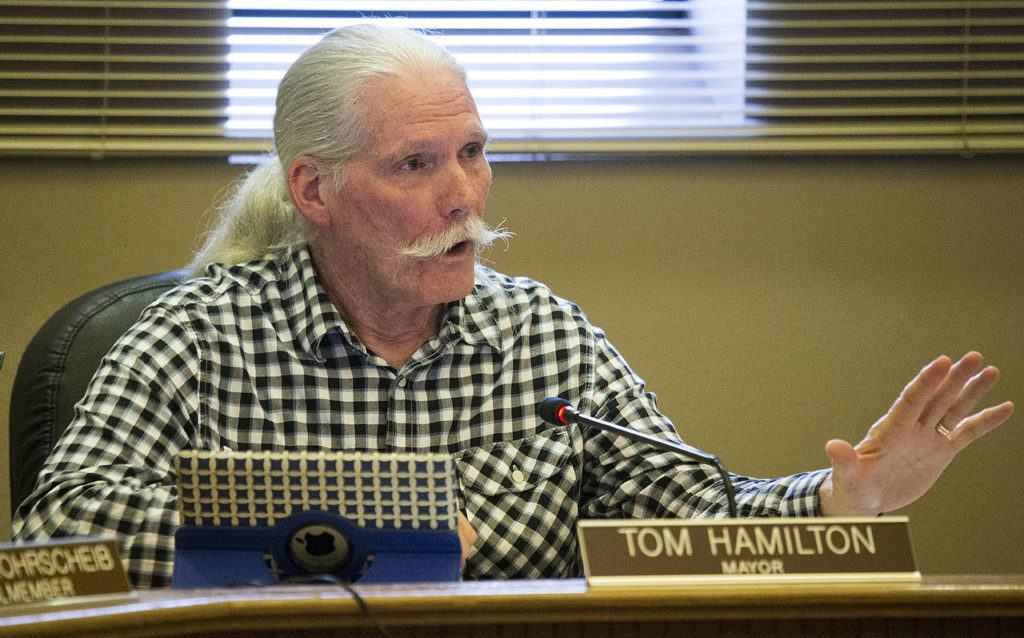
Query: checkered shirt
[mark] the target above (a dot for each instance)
(255, 357)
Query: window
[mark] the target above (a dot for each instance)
(551, 77)
(547, 76)
(95, 78)
(907, 75)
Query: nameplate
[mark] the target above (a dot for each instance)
(60, 570)
(753, 550)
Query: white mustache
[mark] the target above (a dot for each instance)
(471, 229)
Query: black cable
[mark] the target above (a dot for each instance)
(314, 579)
(730, 491)
(366, 610)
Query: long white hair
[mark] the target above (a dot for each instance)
(315, 116)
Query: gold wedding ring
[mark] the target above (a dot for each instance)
(943, 430)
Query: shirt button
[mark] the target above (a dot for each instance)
(518, 476)
(401, 382)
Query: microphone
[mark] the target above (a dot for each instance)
(558, 411)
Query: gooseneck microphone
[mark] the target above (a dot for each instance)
(558, 411)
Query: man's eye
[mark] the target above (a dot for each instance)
(413, 164)
(473, 150)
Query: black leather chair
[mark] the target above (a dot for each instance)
(60, 361)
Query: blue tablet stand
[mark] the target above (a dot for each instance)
(261, 518)
(240, 556)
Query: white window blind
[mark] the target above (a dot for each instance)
(550, 76)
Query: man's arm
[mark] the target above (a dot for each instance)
(634, 480)
(111, 471)
(897, 462)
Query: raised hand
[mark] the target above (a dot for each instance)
(906, 450)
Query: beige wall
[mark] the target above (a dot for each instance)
(772, 303)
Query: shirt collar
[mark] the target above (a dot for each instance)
(478, 316)
(312, 314)
(475, 317)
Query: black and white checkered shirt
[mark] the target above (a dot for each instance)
(255, 357)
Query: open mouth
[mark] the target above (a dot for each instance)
(458, 248)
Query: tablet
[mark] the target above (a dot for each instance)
(374, 490)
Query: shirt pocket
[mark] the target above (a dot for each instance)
(521, 498)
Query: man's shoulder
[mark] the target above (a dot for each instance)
(221, 288)
(520, 296)
(516, 289)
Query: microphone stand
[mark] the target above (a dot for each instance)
(560, 412)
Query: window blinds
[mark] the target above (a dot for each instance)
(906, 75)
(91, 78)
(548, 76)
(551, 77)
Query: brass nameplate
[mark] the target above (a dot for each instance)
(752, 550)
(61, 569)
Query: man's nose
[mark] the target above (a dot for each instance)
(459, 192)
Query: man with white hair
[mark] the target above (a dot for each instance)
(339, 305)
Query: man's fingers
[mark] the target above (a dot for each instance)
(843, 491)
(919, 392)
(977, 425)
(950, 392)
(467, 537)
(842, 454)
(972, 393)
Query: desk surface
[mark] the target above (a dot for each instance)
(977, 605)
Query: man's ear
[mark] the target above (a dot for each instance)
(306, 178)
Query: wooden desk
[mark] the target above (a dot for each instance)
(960, 606)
